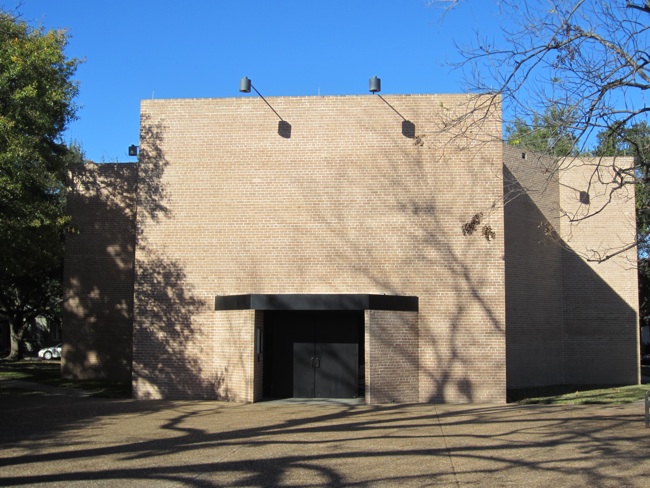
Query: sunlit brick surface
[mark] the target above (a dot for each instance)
(344, 196)
(350, 195)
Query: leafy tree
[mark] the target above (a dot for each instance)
(546, 133)
(36, 104)
(635, 141)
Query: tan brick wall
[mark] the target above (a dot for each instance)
(601, 297)
(166, 330)
(234, 354)
(569, 320)
(391, 358)
(98, 272)
(346, 204)
(533, 258)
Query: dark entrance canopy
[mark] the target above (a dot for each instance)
(316, 302)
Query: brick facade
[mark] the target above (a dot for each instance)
(98, 272)
(570, 319)
(600, 298)
(346, 204)
(391, 360)
(343, 196)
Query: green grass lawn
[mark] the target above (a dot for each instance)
(578, 395)
(49, 373)
(37, 370)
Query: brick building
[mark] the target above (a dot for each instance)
(357, 247)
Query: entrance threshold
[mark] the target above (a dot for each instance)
(316, 401)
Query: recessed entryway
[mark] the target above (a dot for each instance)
(313, 354)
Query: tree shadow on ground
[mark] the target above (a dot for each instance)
(216, 444)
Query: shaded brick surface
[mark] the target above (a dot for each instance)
(98, 272)
(570, 318)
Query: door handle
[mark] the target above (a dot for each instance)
(315, 362)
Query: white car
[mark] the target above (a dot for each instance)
(50, 352)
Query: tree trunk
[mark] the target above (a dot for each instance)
(17, 328)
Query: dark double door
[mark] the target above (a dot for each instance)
(312, 354)
(325, 369)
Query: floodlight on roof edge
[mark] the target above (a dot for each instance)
(408, 127)
(245, 86)
(375, 85)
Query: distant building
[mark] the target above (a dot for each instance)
(350, 249)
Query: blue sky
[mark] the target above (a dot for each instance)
(140, 49)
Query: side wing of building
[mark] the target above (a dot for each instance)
(571, 280)
(98, 272)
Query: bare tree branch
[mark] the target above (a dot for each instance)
(585, 59)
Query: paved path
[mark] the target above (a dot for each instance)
(71, 441)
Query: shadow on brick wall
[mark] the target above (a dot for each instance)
(98, 272)
(462, 329)
(100, 340)
(164, 364)
(463, 350)
(565, 323)
(152, 194)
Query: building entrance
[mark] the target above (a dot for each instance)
(313, 354)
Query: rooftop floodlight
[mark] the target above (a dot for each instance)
(408, 127)
(375, 85)
(245, 85)
(284, 127)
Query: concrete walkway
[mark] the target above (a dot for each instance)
(63, 441)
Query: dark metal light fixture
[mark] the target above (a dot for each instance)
(284, 127)
(133, 150)
(245, 85)
(408, 127)
(375, 85)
